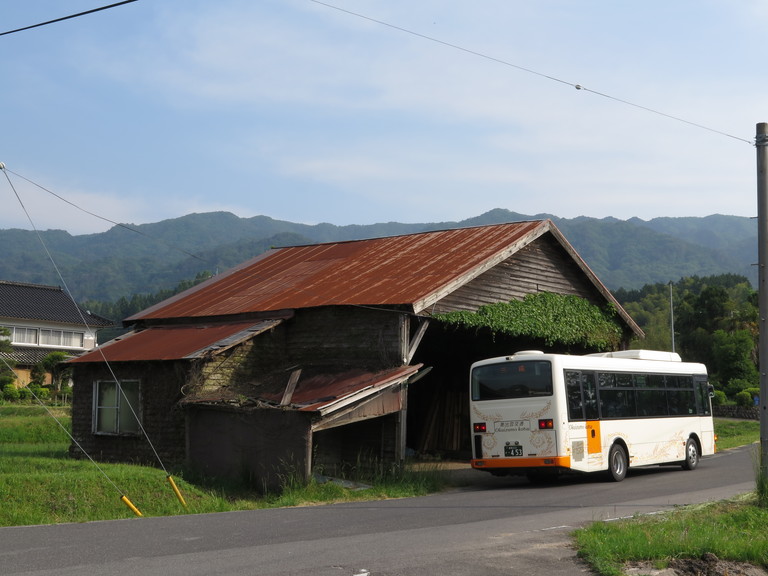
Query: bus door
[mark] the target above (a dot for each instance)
(583, 423)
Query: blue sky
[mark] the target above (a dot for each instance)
(303, 112)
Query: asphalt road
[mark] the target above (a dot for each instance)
(492, 526)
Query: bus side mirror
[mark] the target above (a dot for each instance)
(711, 390)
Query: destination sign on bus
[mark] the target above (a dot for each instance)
(512, 426)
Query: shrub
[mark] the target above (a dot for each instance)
(10, 392)
(735, 386)
(39, 392)
(743, 398)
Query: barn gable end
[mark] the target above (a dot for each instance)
(542, 266)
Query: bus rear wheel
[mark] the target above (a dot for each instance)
(618, 462)
(691, 455)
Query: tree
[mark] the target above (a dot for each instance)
(716, 323)
(5, 340)
(7, 376)
(732, 356)
(53, 364)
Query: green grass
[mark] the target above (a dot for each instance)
(41, 484)
(733, 433)
(33, 424)
(731, 530)
(735, 530)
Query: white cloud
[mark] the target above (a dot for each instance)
(264, 107)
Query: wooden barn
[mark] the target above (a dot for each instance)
(320, 357)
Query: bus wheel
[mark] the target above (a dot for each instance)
(691, 455)
(617, 463)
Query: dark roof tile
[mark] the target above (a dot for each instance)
(29, 356)
(44, 303)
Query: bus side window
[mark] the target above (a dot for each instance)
(573, 391)
(702, 396)
(590, 395)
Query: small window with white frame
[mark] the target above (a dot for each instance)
(61, 338)
(21, 335)
(116, 408)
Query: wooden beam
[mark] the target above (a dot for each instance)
(292, 381)
(416, 340)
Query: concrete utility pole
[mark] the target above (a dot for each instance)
(671, 316)
(761, 144)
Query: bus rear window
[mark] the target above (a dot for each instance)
(512, 380)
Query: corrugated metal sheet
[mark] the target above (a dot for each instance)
(401, 270)
(175, 342)
(323, 393)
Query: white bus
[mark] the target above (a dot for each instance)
(540, 414)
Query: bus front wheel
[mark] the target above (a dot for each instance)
(617, 463)
(691, 455)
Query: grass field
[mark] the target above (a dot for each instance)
(732, 433)
(41, 484)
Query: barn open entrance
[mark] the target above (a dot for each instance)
(438, 405)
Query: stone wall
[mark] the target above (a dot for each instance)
(742, 412)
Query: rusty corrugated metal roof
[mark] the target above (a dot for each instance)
(414, 270)
(323, 393)
(175, 342)
(326, 392)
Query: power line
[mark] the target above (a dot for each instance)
(3, 168)
(67, 17)
(82, 315)
(528, 70)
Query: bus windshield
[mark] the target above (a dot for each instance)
(512, 380)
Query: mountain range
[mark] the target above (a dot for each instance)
(132, 259)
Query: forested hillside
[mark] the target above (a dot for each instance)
(715, 322)
(700, 268)
(149, 258)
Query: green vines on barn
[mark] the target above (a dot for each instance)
(553, 318)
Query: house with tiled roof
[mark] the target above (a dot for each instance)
(314, 357)
(43, 319)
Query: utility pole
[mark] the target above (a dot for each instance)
(671, 316)
(761, 144)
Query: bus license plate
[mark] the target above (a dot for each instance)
(513, 450)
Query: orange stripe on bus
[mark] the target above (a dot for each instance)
(551, 462)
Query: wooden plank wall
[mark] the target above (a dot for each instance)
(358, 447)
(445, 425)
(542, 266)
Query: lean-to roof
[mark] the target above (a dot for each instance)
(175, 342)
